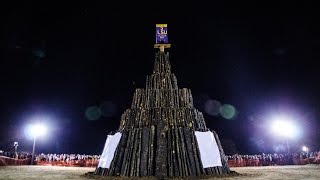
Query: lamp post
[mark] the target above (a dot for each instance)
(33, 149)
(288, 147)
(36, 130)
(15, 144)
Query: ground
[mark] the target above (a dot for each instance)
(310, 172)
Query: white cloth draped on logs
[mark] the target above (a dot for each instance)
(209, 151)
(109, 149)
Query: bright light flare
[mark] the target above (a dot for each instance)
(36, 130)
(283, 127)
(305, 148)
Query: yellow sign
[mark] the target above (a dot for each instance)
(161, 25)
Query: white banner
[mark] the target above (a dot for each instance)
(209, 151)
(109, 149)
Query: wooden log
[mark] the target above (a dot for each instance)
(120, 153)
(138, 163)
(169, 81)
(147, 98)
(178, 151)
(172, 103)
(183, 153)
(152, 150)
(175, 158)
(225, 166)
(133, 159)
(176, 95)
(191, 99)
(170, 156)
(196, 155)
(126, 155)
(98, 171)
(104, 171)
(144, 151)
(147, 82)
(161, 153)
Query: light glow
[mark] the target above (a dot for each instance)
(282, 126)
(36, 130)
(305, 148)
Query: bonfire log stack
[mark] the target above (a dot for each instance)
(158, 131)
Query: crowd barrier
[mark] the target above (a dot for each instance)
(6, 161)
(257, 162)
(73, 163)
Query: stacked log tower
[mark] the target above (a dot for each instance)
(158, 131)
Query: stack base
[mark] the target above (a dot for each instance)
(161, 153)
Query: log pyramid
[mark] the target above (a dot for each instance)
(158, 131)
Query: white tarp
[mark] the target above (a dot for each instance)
(209, 151)
(109, 149)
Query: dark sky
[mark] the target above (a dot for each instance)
(59, 59)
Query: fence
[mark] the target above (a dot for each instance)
(6, 161)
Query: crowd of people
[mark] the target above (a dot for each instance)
(82, 160)
(235, 160)
(274, 159)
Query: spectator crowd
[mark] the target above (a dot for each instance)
(235, 160)
(82, 160)
(274, 159)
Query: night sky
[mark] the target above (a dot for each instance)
(57, 61)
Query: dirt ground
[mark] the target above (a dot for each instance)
(42, 172)
(310, 172)
(307, 172)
